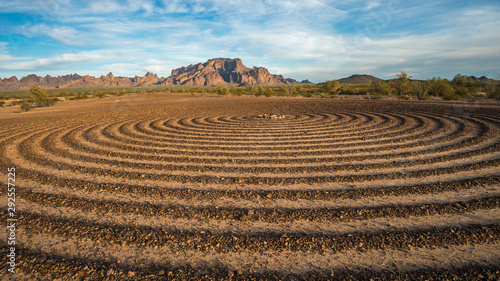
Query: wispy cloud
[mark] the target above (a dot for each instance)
(315, 39)
(57, 61)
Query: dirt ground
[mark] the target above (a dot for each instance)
(188, 187)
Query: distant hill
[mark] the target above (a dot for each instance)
(75, 80)
(13, 84)
(359, 79)
(481, 79)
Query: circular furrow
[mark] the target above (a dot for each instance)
(230, 175)
(32, 155)
(337, 172)
(399, 191)
(51, 144)
(304, 143)
(79, 144)
(193, 129)
(118, 145)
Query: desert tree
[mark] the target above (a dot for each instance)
(460, 80)
(421, 89)
(442, 88)
(331, 87)
(401, 84)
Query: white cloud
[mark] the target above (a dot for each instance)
(4, 59)
(65, 35)
(299, 39)
(57, 61)
(372, 5)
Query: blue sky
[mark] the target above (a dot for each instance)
(311, 39)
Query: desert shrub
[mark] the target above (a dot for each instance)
(330, 86)
(381, 88)
(441, 88)
(258, 91)
(80, 96)
(421, 89)
(495, 94)
(47, 102)
(222, 90)
(461, 91)
(268, 92)
(2, 103)
(346, 91)
(38, 94)
(461, 80)
(26, 106)
(451, 96)
(401, 84)
(97, 94)
(40, 97)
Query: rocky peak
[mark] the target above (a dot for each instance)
(30, 79)
(225, 64)
(148, 79)
(9, 81)
(223, 71)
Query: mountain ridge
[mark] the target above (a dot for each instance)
(217, 71)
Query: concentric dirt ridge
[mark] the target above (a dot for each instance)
(209, 190)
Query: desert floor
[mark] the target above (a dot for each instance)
(179, 187)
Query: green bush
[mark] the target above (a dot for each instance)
(47, 102)
(381, 88)
(26, 106)
(421, 89)
(268, 92)
(330, 86)
(442, 88)
(38, 94)
(495, 94)
(451, 96)
(222, 90)
(80, 96)
(402, 84)
(462, 92)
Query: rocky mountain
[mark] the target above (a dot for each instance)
(13, 84)
(104, 81)
(224, 71)
(359, 79)
(220, 71)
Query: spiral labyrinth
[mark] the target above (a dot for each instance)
(334, 194)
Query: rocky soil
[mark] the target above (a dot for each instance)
(243, 188)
